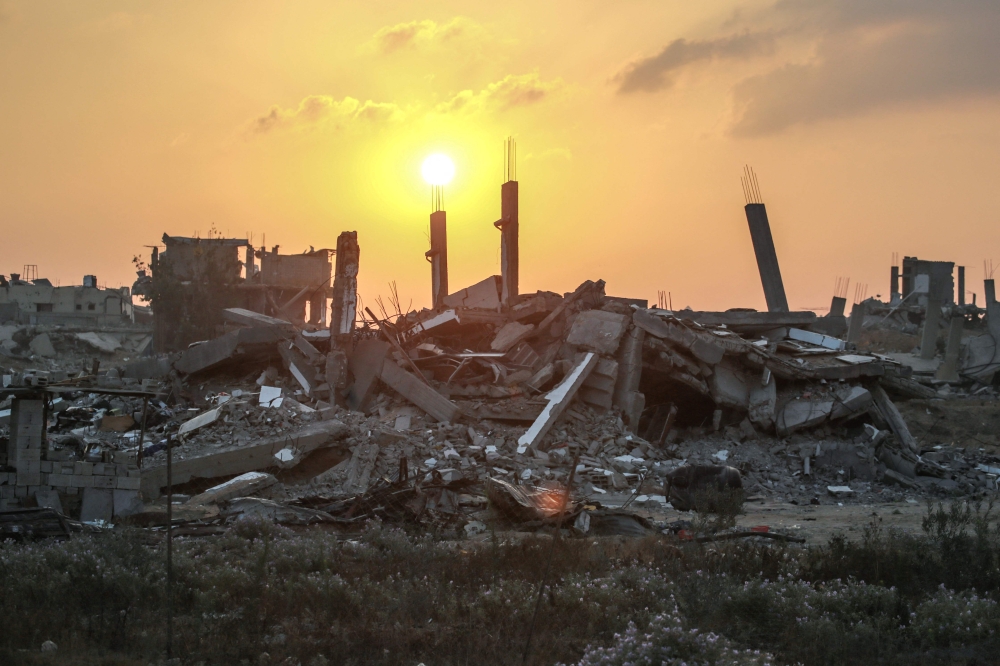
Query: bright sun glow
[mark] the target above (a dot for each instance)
(438, 169)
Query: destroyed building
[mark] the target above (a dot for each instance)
(419, 415)
(193, 280)
(38, 302)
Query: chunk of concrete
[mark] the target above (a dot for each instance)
(483, 295)
(242, 459)
(510, 335)
(558, 400)
(241, 486)
(365, 363)
(226, 348)
(250, 318)
(851, 401)
(361, 466)
(802, 413)
(48, 499)
(270, 396)
(729, 387)
(41, 345)
(104, 342)
(200, 421)
(762, 400)
(126, 503)
(97, 504)
(598, 331)
(419, 393)
(287, 457)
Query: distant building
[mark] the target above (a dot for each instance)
(38, 302)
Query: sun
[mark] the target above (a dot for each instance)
(438, 169)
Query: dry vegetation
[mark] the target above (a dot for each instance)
(264, 595)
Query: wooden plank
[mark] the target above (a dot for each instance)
(419, 393)
(559, 399)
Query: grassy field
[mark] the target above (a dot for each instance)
(262, 594)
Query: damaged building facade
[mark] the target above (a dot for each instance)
(193, 280)
(39, 302)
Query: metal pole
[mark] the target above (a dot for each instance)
(170, 540)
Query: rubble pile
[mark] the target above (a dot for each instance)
(475, 394)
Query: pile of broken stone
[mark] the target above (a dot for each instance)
(627, 394)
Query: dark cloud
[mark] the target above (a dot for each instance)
(864, 56)
(875, 55)
(657, 72)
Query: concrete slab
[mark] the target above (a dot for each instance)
(97, 504)
(126, 502)
(41, 345)
(597, 330)
(48, 499)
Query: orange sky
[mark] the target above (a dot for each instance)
(872, 128)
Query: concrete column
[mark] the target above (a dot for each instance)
(837, 306)
(508, 226)
(992, 309)
(932, 323)
(894, 285)
(629, 357)
(438, 256)
(857, 323)
(767, 258)
(249, 264)
(948, 370)
(961, 285)
(343, 310)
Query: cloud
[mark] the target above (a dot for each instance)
(423, 34)
(324, 110)
(658, 72)
(510, 92)
(840, 59)
(873, 56)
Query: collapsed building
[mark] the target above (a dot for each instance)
(193, 280)
(401, 416)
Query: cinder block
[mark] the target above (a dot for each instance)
(28, 479)
(21, 491)
(134, 473)
(59, 480)
(104, 481)
(29, 466)
(46, 467)
(128, 483)
(99, 469)
(26, 455)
